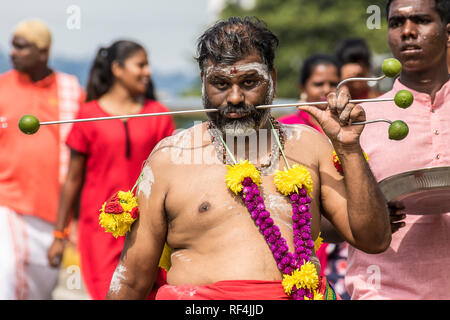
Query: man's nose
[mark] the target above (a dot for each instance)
(235, 96)
(409, 30)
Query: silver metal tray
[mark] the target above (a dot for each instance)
(423, 191)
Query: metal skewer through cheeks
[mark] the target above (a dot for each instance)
(391, 67)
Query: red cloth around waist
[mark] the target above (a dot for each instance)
(230, 290)
(225, 290)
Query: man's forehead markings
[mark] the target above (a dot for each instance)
(405, 9)
(259, 68)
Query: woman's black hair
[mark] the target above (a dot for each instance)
(100, 75)
(354, 50)
(315, 60)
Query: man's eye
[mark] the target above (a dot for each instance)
(249, 83)
(395, 23)
(420, 21)
(220, 84)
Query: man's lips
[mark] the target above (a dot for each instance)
(236, 115)
(410, 48)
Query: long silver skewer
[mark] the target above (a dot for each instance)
(128, 116)
(206, 110)
(372, 121)
(359, 79)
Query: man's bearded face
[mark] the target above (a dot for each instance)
(236, 90)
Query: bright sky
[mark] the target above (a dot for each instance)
(168, 29)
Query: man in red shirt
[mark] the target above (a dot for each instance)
(31, 167)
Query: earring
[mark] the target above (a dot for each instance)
(303, 96)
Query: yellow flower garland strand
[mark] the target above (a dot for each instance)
(289, 181)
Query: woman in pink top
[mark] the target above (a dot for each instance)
(319, 76)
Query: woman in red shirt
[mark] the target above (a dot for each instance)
(107, 156)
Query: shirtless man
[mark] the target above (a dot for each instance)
(186, 202)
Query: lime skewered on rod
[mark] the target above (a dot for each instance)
(29, 124)
(391, 67)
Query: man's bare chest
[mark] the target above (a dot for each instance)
(201, 201)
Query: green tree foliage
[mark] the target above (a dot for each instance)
(305, 27)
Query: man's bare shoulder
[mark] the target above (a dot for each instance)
(164, 159)
(182, 139)
(305, 142)
(302, 132)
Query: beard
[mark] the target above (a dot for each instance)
(247, 125)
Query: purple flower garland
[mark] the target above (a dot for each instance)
(286, 261)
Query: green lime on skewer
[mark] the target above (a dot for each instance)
(398, 130)
(29, 124)
(391, 67)
(403, 99)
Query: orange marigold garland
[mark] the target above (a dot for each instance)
(120, 211)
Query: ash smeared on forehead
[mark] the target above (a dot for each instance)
(260, 68)
(232, 71)
(405, 9)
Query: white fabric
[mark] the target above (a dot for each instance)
(24, 269)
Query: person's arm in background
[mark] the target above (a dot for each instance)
(396, 215)
(69, 194)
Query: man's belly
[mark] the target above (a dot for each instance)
(190, 267)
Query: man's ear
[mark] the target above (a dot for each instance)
(44, 55)
(274, 81)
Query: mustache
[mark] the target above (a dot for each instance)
(241, 108)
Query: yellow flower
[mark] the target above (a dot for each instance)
(127, 200)
(317, 295)
(289, 181)
(336, 158)
(318, 242)
(117, 224)
(118, 213)
(238, 172)
(305, 278)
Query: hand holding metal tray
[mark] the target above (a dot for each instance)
(422, 192)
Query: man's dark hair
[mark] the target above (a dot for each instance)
(231, 40)
(353, 50)
(442, 7)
